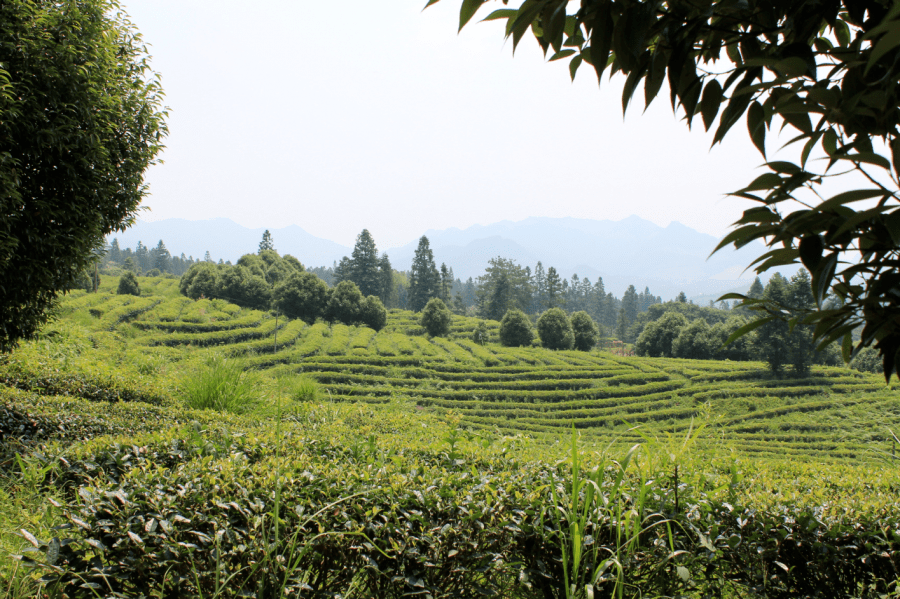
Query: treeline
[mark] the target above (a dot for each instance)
(146, 261)
(682, 330)
(504, 286)
(266, 280)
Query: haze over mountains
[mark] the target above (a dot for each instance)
(631, 251)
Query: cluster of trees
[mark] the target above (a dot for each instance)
(267, 280)
(682, 330)
(554, 328)
(506, 285)
(143, 260)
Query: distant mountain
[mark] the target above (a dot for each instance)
(632, 251)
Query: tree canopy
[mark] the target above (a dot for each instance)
(81, 119)
(827, 70)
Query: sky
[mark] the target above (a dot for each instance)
(359, 114)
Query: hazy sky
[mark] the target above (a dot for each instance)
(360, 114)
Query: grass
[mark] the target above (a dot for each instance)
(222, 384)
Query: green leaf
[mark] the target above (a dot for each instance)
(573, 66)
(601, 39)
(842, 32)
(430, 2)
(895, 155)
(829, 142)
(811, 247)
(847, 347)
(867, 158)
(655, 76)
(709, 105)
(848, 197)
(748, 328)
(765, 181)
(467, 11)
(502, 13)
(562, 54)
(889, 41)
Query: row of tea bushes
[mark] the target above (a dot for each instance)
(339, 497)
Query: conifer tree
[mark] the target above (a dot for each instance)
(388, 292)
(756, 289)
(539, 298)
(363, 265)
(115, 252)
(267, 242)
(553, 294)
(446, 283)
(162, 259)
(424, 279)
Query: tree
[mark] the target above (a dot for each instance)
(240, 285)
(756, 289)
(373, 314)
(436, 318)
(267, 243)
(128, 285)
(387, 289)
(424, 279)
(76, 144)
(446, 283)
(345, 304)
(694, 342)
(363, 265)
(555, 330)
(585, 331)
(772, 337)
(783, 63)
(161, 259)
(302, 295)
(657, 337)
(515, 329)
(553, 289)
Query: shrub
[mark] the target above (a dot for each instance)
(373, 314)
(128, 285)
(436, 318)
(868, 360)
(222, 385)
(555, 330)
(515, 329)
(345, 304)
(302, 295)
(481, 334)
(200, 280)
(656, 339)
(240, 286)
(585, 331)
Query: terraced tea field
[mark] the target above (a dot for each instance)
(836, 413)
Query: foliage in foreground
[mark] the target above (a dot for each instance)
(344, 498)
(828, 70)
(68, 177)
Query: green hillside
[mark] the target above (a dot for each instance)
(834, 413)
(391, 464)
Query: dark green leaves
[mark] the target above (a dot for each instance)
(709, 105)
(466, 11)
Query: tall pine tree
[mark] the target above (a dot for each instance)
(267, 242)
(364, 265)
(424, 278)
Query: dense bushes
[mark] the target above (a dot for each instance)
(515, 329)
(269, 280)
(436, 318)
(302, 295)
(585, 331)
(128, 284)
(555, 330)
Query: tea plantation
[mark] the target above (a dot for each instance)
(162, 447)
